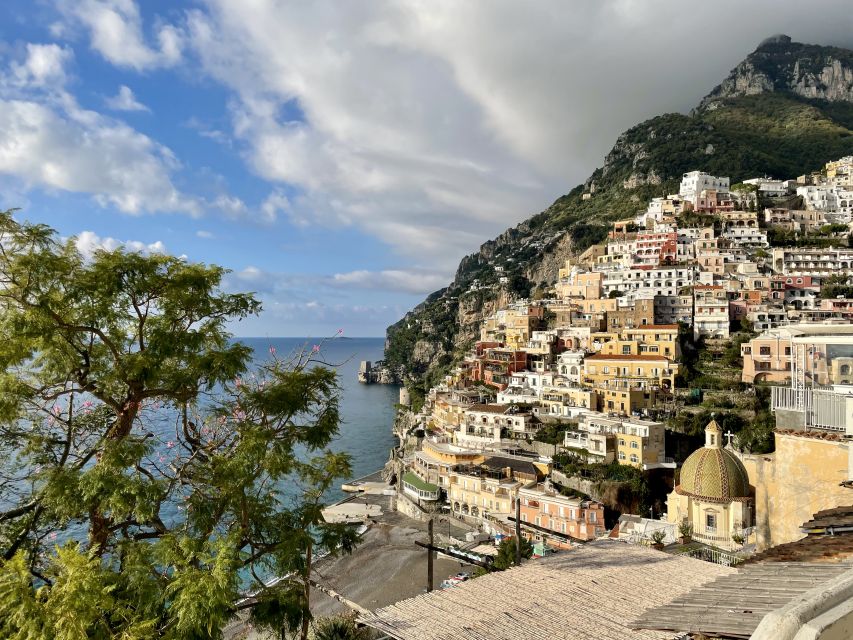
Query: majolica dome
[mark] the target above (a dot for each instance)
(712, 473)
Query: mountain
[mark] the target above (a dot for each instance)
(784, 111)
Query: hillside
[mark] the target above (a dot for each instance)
(785, 110)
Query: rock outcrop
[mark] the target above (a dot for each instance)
(780, 65)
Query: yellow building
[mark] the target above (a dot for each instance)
(585, 285)
(435, 461)
(655, 339)
(564, 401)
(808, 472)
(626, 401)
(712, 493)
(627, 440)
(629, 371)
(489, 489)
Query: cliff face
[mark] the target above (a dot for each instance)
(809, 71)
(786, 109)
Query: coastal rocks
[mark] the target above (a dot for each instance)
(377, 373)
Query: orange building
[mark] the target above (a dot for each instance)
(558, 518)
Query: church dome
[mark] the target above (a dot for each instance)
(712, 473)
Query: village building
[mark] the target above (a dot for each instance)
(796, 261)
(547, 514)
(627, 440)
(710, 312)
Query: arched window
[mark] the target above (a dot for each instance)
(621, 455)
(634, 458)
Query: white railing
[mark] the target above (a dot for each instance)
(713, 555)
(823, 408)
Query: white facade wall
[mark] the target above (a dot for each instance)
(694, 182)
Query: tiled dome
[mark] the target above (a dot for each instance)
(712, 473)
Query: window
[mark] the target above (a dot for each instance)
(592, 516)
(634, 458)
(621, 455)
(621, 442)
(711, 522)
(524, 517)
(635, 445)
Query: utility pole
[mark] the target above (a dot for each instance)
(429, 556)
(518, 532)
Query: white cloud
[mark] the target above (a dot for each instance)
(412, 118)
(408, 281)
(276, 203)
(206, 235)
(116, 31)
(125, 100)
(88, 242)
(44, 64)
(59, 146)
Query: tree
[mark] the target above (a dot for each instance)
(340, 629)
(505, 557)
(148, 477)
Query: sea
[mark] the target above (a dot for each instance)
(367, 410)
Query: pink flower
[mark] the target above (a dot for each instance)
(87, 404)
(272, 350)
(170, 444)
(237, 382)
(57, 410)
(315, 348)
(340, 331)
(53, 536)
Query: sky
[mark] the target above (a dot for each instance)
(341, 157)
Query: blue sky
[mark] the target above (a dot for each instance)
(338, 157)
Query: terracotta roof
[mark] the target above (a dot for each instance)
(488, 408)
(591, 592)
(814, 548)
(837, 517)
(602, 356)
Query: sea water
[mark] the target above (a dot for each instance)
(367, 410)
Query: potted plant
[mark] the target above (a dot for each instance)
(685, 532)
(658, 538)
(737, 539)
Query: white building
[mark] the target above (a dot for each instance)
(747, 237)
(646, 283)
(820, 197)
(812, 262)
(695, 182)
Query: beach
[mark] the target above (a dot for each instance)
(386, 567)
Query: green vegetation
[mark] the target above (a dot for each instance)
(340, 629)
(551, 433)
(836, 286)
(505, 557)
(161, 478)
(829, 235)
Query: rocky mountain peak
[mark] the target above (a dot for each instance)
(781, 65)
